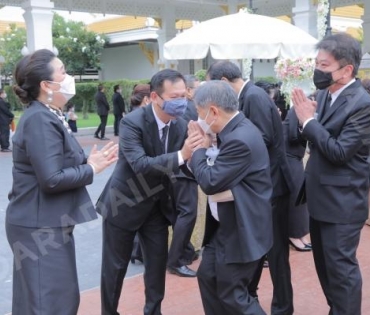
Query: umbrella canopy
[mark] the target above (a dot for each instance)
(240, 36)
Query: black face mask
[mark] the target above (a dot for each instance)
(322, 80)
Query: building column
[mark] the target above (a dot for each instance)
(232, 6)
(305, 16)
(38, 16)
(166, 33)
(366, 27)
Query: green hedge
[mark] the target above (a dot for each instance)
(85, 92)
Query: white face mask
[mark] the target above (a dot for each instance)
(203, 124)
(67, 87)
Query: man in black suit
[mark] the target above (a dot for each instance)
(337, 173)
(185, 189)
(102, 110)
(118, 107)
(6, 117)
(239, 215)
(257, 106)
(137, 197)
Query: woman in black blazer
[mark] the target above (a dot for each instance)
(48, 197)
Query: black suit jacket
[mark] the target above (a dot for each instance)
(257, 106)
(337, 172)
(101, 104)
(142, 176)
(295, 145)
(6, 116)
(49, 173)
(243, 166)
(118, 104)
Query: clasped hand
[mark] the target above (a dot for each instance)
(303, 106)
(103, 158)
(196, 139)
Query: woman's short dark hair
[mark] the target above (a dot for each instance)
(30, 71)
(116, 88)
(138, 94)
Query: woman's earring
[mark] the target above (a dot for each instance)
(50, 96)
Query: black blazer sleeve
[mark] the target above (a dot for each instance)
(45, 149)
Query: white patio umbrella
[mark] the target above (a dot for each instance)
(241, 36)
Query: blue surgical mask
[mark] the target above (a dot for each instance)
(175, 107)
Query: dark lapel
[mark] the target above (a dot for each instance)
(351, 91)
(322, 102)
(173, 135)
(230, 126)
(152, 130)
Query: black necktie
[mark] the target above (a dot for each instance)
(218, 141)
(163, 138)
(327, 105)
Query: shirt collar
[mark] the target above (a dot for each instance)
(160, 123)
(335, 95)
(236, 113)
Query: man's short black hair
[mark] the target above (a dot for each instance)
(344, 48)
(157, 81)
(224, 69)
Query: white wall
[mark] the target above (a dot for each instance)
(264, 68)
(125, 62)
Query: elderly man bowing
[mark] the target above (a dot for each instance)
(239, 217)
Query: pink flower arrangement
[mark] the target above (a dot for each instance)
(295, 73)
(294, 69)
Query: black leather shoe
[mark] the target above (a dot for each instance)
(182, 271)
(306, 247)
(96, 136)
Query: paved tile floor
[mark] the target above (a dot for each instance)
(182, 294)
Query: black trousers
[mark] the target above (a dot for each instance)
(224, 287)
(186, 202)
(117, 248)
(334, 251)
(4, 136)
(278, 258)
(101, 127)
(44, 272)
(117, 120)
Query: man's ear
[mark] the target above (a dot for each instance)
(348, 71)
(153, 97)
(214, 109)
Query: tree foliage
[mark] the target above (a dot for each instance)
(78, 48)
(11, 44)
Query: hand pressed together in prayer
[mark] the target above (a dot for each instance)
(196, 139)
(103, 158)
(303, 106)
